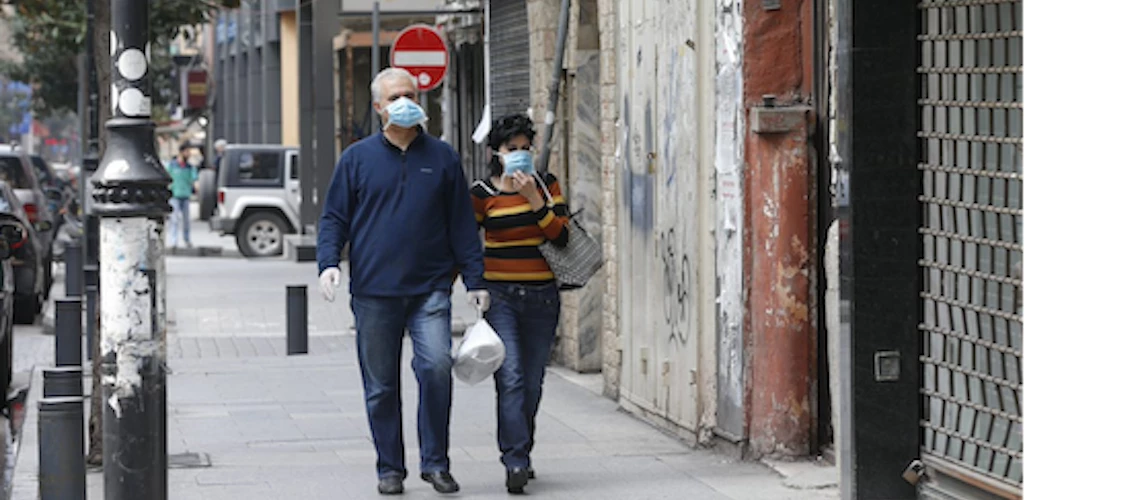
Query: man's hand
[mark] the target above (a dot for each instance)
(480, 300)
(330, 280)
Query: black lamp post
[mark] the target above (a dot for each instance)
(130, 195)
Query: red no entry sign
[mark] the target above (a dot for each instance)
(421, 50)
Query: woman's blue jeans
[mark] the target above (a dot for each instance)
(526, 318)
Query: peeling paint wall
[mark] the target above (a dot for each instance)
(729, 218)
(831, 249)
(779, 232)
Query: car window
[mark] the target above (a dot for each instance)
(12, 172)
(294, 174)
(43, 171)
(259, 167)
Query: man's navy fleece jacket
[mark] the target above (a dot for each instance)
(407, 215)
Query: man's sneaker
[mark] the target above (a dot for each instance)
(441, 481)
(516, 480)
(391, 485)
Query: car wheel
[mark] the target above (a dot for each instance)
(207, 194)
(27, 307)
(261, 234)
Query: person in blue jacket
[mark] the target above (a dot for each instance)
(183, 172)
(399, 198)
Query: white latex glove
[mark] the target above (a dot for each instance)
(480, 300)
(330, 280)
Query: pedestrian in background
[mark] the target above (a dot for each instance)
(183, 171)
(219, 152)
(519, 209)
(400, 198)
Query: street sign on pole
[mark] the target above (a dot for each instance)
(421, 50)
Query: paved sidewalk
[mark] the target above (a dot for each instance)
(293, 427)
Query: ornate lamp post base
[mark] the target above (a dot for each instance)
(130, 195)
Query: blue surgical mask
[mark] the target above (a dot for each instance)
(404, 112)
(517, 161)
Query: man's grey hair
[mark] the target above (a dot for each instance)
(388, 74)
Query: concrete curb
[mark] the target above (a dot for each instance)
(25, 476)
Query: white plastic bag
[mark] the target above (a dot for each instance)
(479, 354)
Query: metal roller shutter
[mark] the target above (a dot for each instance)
(510, 57)
(971, 126)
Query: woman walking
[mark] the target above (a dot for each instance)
(519, 209)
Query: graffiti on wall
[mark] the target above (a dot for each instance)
(677, 284)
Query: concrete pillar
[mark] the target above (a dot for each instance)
(779, 256)
(611, 342)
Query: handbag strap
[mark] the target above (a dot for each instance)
(545, 191)
(494, 192)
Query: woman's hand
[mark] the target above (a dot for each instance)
(526, 186)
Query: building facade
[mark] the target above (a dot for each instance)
(812, 247)
(810, 209)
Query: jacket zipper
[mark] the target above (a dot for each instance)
(404, 165)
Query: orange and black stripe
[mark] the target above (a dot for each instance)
(513, 231)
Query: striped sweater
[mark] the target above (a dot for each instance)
(513, 231)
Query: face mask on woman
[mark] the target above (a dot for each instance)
(517, 161)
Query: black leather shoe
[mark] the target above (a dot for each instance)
(391, 485)
(516, 480)
(530, 472)
(441, 481)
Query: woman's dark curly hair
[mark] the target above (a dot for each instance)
(502, 130)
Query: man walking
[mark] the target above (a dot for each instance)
(219, 152)
(183, 174)
(401, 200)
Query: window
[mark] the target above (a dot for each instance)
(294, 172)
(259, 167)
(12, 172)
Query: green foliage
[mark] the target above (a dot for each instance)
(51, 33)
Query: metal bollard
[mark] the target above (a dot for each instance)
(91, 288)
(63, 475)
(73, 272)
(63, 381)
(297, 319)
(69, 331)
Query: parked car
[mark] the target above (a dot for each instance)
(12, 239)
(59, 193)
(29, 267)
(17, 170)
(259, 197)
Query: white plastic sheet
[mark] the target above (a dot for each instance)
(479, 354)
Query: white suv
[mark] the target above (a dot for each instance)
(259, 197)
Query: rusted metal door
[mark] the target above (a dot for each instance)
(971, 323)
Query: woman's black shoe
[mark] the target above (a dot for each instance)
(516, 480)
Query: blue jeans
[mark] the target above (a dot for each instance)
(526, 318)
(180, 219)
(380, 326)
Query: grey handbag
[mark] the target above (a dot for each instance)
(574, 264)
